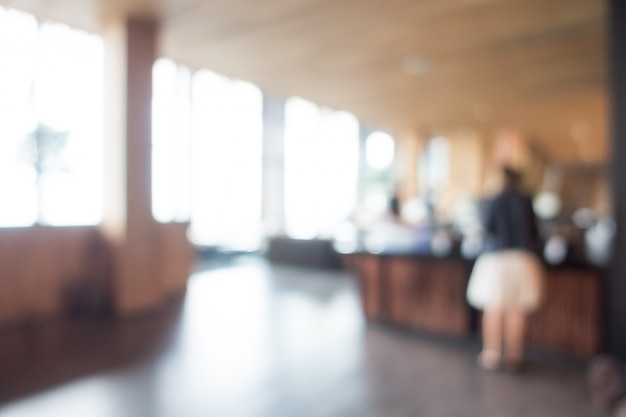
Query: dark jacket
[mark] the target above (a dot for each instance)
(510, 222)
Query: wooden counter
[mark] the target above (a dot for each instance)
(428, 293)
(570, 319)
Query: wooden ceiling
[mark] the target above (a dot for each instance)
(402, 65)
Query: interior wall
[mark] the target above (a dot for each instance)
(409, 148)
(45, 272)
(466, 174)
(512, 148)
(466, 163)
(475, 161)
(584, 188)
(130, 263)
(40, 265)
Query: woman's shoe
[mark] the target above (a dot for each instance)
(490, 359)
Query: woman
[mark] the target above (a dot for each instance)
(506, 282)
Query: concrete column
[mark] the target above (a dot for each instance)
(141, 55)
(150, 259)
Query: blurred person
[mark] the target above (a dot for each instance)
(507, 279)
(393, 234)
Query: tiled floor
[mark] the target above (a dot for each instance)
(256, 340)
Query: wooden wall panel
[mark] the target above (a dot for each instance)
(174, 257)
(39, 264)
(41, 272)
(10, 303)
(44, 269)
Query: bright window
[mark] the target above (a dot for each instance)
(378, 176)
(379, 151)
(321, 168)
(171, 144)
(51, 85)
(435, 165)
(227, 130)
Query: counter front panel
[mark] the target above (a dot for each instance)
(428, 293)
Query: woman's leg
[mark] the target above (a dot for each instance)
(492, 338)
(514, 327)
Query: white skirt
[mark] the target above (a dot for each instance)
(510, 280)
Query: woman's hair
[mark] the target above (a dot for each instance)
(511, 177)
(394, 206)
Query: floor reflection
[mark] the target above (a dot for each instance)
(252, 339)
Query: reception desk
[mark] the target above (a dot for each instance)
(426, 292)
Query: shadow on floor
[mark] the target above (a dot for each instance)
(37, 357)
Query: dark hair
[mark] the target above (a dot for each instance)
(512, 177)
(394, 206)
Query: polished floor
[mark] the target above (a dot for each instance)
(251, 339)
